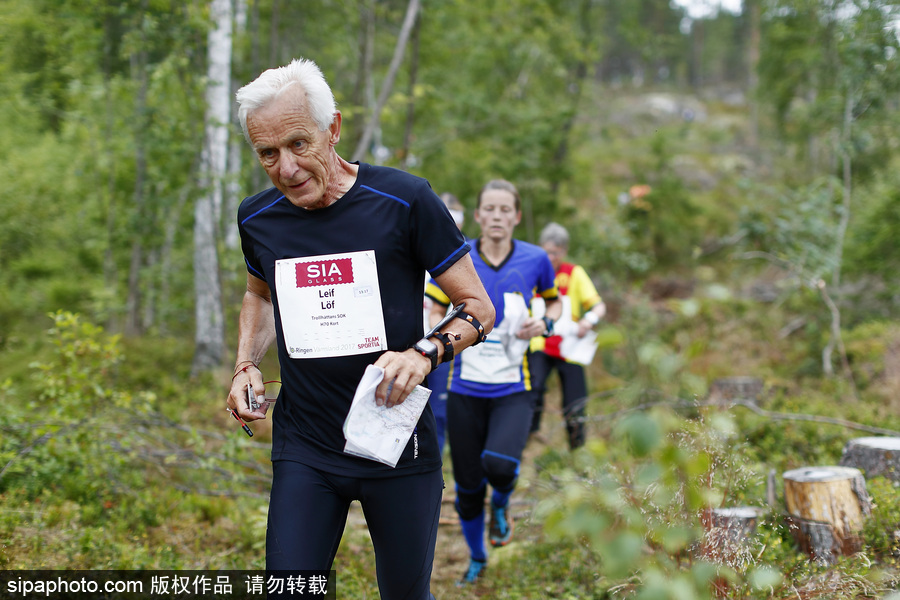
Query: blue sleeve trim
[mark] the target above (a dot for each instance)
(380, 193)
(257, 273)
(459, 251)
(265, 208)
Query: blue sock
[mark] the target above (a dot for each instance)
(473, 531)
(501, 499)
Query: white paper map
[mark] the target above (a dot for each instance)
(573, 348)
(377, 432)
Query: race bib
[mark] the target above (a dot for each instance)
(330, 305)
(488, 362)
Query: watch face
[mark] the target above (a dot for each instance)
(426, 346)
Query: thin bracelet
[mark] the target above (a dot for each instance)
(252, 364)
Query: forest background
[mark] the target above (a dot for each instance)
(730, 184)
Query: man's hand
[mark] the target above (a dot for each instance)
(403, 371)
(237, 397)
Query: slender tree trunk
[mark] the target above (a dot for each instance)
(411, 104)
(575, 83)
(363, 90)
(753, 9)
(697, 53)
(108, 189)
(133, 304)
(170, 231)
(366, 49)
(273, 34)
(256, 174)
(412, 10)
(210, 330)
(235, 149)
(846, 194)
(151, 296)
(837, 338)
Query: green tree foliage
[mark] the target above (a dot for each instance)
(872, 250)
(826, 66)
(117, 90)
(664, 223)
(69, 162)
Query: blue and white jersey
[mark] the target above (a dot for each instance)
(496, 367)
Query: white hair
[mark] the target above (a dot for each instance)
(273, 82)
(556, 234)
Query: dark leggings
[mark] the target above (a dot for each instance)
(574, 393)
(308, 511)
(487, 437)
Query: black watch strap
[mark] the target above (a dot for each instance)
(548, 323)
(448, 339)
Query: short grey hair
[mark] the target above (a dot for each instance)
(556, 234)
(273, 82)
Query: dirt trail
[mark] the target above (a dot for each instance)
(451, 553)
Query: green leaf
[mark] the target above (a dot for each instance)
(765, 577)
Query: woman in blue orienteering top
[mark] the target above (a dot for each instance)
(490, 404)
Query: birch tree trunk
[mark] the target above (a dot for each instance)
(412, 10)
(847, 180)
(133, 304)
(411, 103)
(235, 148)
(210, 329)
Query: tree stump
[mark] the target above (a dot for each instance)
(874, 456)
(729, 532)
(726, 389)
(826, 509)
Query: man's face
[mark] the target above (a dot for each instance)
(297, 156)
(556, 253)
(497, 215)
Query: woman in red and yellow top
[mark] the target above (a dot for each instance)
(587, 308)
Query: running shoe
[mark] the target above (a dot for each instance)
(476, 568)
(501, 526)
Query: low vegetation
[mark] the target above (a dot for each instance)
(113, 458)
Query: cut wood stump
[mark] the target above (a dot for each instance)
(728, 389)
(874, 456)
(826, 510)
(729, 533)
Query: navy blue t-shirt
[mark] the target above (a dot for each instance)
(410, 230)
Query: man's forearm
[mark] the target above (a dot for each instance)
(256, 328)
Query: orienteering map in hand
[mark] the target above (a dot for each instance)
(377, 432)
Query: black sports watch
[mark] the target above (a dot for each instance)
(548, 323)
(428, 349)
